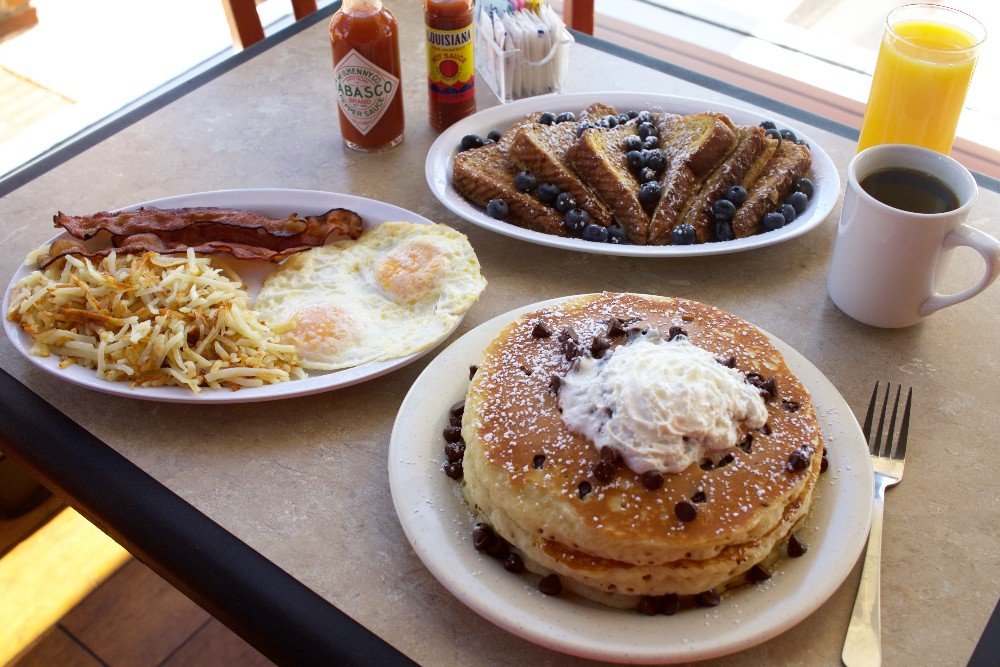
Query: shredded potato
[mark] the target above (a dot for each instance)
(151, 320)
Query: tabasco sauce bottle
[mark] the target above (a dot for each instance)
(451, 67)
(367, 73)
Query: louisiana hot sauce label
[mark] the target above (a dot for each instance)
(451, 66)
(364, 90)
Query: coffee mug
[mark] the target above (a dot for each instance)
(886, 260)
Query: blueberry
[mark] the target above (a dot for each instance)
(645, 117)
(647, 175)
(612, 121)
(633, 143)
(547, 193)
(546, 118)
(805, 186)
(769, 125)
(736, 194)
(649, 194)
(575, 220)
(788, 212)
(583, 128)
(683, 235)
(651, 142)
(494, 135)
(632, 113)
(565, 202)
(773, 221)
(656, 160)
(566, 117)
(724, 231)
(788, 134)
(471, 141)
(525, 181)
(602, 123)
(798, 201)
(497, 208)
(595, 233)
(723, 209)
(623, 118)
(774, 134)
(803, 142)
(635, 160)
(488, 142)
(617, 235)
(647, 130)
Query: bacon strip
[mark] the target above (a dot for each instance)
(141, 243)
(196, 227)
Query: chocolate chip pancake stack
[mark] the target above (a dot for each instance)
(610, 533)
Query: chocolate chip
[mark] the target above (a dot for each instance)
(538, 461)
(756, 379)
(615, 328)
(568, 334)
(669, 604)
(652, 479)
(791, 406)
(610, 454)
(541, 330)
(707, 465)
(674, 332)
(769, 388)
(514, 564)
(765, 429)
(571, 349)
(452, 434)
(725, 460)
(598, 347)
(699, 496)
(604, 472)
(454, 451)
(472, 370)
(824, 464)
(454, 470)
(455, 420)
(457, 408)
(550, 584)
(798, 460)
(497, 548)
(796, 547)
(648, 606)
(482, 535)
(757, 574)
(728, 363)
(747, 444)
(685, 511)
(584, 488)
(707, 598)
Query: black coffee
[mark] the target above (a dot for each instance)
(910, 190)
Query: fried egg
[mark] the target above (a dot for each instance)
(396, 290)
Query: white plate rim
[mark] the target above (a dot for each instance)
(438, 168)
(307, 202)
(416, 483)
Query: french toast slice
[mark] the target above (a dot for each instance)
(789, 162)
(598, 158)
(541, 149)
(737, 165)
(693, 145)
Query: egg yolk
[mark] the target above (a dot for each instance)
(410, 272)
(321, 327)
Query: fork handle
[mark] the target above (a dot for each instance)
(863, 645)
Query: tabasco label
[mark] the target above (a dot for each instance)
(451, 66)
(364, 90)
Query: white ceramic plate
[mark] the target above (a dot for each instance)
(438, 168)
(438, 525)
(274, 203)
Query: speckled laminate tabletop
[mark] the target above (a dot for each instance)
(304, 481)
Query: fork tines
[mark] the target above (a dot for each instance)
(878, 446)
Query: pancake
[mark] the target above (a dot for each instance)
(621, 539)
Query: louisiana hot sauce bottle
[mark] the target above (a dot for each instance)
(367, 73)
(451, 66)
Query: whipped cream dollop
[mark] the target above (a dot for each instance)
(662, 405)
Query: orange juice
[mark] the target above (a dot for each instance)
(921, 77)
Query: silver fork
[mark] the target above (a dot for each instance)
(863, 645)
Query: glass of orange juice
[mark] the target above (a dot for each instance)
(924, 66)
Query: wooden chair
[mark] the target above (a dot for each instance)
(244, 22)
(579, 15)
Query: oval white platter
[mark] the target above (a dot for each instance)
(273, 203)
(438, 525)
(438, 169)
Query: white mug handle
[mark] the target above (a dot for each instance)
(985, 245)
